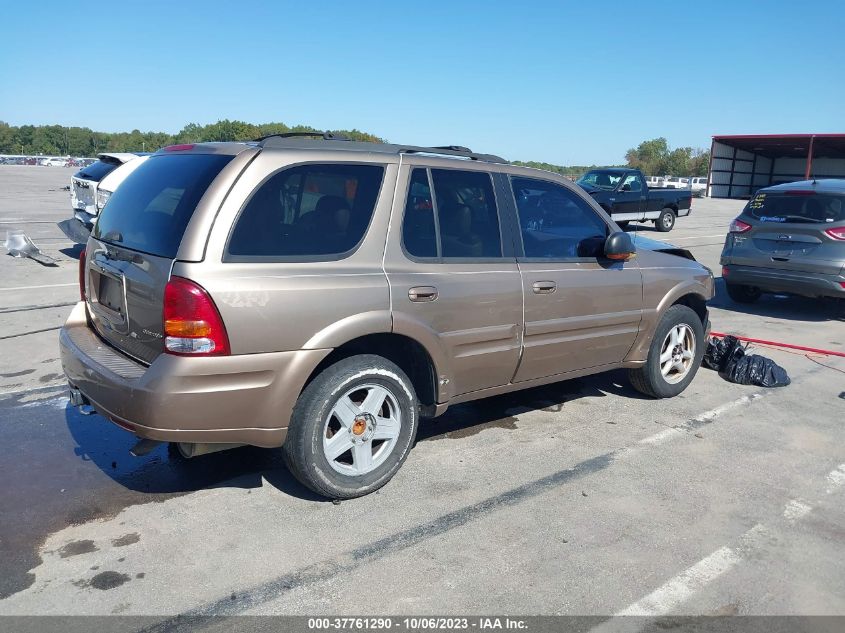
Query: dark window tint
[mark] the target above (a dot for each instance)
(556, 223)
(96, 171)
(418, 229)
(152, 207)
(308, 211)
(798, 207)
(467, 216)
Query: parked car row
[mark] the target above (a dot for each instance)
(697, 184)
(92, 186)
(325, 295)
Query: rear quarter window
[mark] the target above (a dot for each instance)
(796, 207)
(306, 213)
(151, 209)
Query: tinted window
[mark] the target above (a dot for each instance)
(96, 171)
(308, 211)
(152, 207)
(466, 214)
(556, 223)
(797, 207)
(419, 234)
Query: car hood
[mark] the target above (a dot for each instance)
(588, 188)
(648, 244)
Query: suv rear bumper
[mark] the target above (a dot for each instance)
(244, 399)
(787, 281)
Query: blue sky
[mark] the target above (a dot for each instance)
(567, 83)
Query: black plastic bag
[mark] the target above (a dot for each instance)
(728, 357)
(719, 351)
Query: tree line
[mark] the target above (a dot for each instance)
(58, 140)
(653, 157)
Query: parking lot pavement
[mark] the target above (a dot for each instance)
(581, 497)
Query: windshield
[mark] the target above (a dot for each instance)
(601, 179)
(152, 207)
(796, 207)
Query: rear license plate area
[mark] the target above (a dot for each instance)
(110, 293)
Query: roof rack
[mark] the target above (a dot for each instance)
(317, 140)
(326, 136)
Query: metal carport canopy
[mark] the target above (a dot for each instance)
(742, 163)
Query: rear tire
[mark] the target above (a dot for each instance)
(368, 406)
(666, 221)
(682, 357)
(743, 294)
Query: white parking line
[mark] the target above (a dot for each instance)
(36, 287)
(707, 416)
(692, 237)
(678, 589)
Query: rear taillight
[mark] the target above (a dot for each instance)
(738, 226)
(82, 259)
(838, 233)
(725, 271)
(192, 324)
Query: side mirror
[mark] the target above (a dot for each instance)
(626, 187)
(619, 246)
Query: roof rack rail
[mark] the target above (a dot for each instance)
(453, 150)
(283, 141)
(326, 136)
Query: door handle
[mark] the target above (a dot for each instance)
(544, 287)
(422, 293)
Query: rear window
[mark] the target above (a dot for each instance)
(96, 171)
(796, 207)
(152, 207)
(310, 212)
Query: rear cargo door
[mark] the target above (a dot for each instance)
(125, 291)
(133, 246)
(789, 233)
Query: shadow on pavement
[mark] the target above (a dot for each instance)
(779, 306)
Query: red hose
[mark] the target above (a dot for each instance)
(813, 350)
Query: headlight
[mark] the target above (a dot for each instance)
(102, 197)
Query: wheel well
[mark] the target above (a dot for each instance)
(672, 208)
(408, 354)
(695, 302)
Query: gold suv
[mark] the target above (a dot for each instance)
(324, 295)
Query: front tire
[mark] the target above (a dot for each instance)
(743, 294)
(352, 427)
(674, 356)
(666, 221)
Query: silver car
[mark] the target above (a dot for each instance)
(790, 238)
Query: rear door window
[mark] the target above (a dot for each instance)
(419, 226)
(151, 209)
(796, 207)
(556, 223)
(466, 212)
(313, 211)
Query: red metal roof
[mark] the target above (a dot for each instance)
(794, 145)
